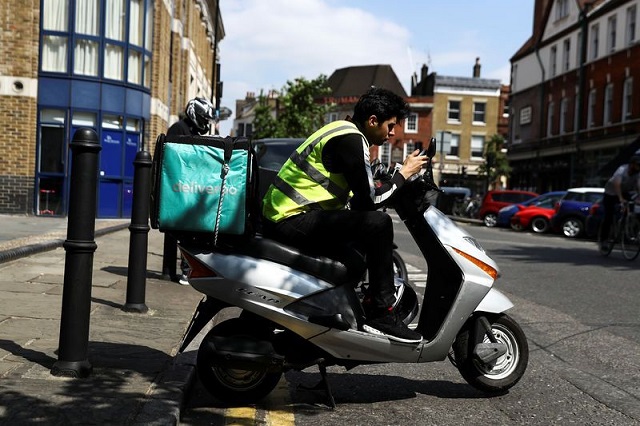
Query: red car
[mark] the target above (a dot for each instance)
(538, 218)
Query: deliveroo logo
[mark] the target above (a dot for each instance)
(194, 187)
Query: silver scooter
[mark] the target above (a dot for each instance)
(298, 311)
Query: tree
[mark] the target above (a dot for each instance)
(264, 123)
(297, 112)
(496, 163)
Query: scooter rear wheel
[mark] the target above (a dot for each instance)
(234, 385)
(503, 373)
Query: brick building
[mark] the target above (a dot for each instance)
(574, 116)
(124, 68)
(467, 112)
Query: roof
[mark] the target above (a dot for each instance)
(583, 190)
(354, 81)
(467, 82)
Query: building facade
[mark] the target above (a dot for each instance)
(572, 103)
(467, 112)
(101, 64)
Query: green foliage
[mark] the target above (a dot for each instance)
(297, 112)
(496, 163)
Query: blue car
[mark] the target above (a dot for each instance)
(572, 210)
(505, 213)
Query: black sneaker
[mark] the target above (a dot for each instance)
(390, 326)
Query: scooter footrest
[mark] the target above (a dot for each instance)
(332, 321)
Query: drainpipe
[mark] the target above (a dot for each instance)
(214, 69)
(542, 116)
(584, 28)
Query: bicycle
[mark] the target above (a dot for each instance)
(626, 230)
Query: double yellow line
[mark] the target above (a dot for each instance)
(275, 410)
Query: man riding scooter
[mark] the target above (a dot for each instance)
(305, 206)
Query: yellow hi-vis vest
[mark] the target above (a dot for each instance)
(303, 183)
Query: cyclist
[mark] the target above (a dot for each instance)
(617, 190)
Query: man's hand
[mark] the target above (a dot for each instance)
(412, 164)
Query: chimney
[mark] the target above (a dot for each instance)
(476, 69)
(424, 72)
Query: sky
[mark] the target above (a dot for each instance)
(270, 42)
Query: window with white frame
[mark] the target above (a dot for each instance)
(591, 107)
(627, 98)
(114, 31)
(333, 116)
(479, 112)
(550, 112)
(566, 55)
(608, 104)
(553, 57)
(611, 33)
(630, 36)
(55, 18)
(477, 146)
(454, 111)
(454, 147)
(409, 147)
(564, 109)
(411, 123)
(562, 9)
(595, 39)
(385, 153)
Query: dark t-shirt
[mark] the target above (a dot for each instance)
(349, 155)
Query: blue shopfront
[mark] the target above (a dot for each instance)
(118, 116)
(94, 71)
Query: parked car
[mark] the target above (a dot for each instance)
(506, 213)
(537, 216)
(452, 200)
(494, 200)
(572, 210)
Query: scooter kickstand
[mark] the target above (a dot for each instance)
(322, 384)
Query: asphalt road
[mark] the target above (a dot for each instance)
(578, 310)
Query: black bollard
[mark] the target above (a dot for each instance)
(139, 234)
(80, 247)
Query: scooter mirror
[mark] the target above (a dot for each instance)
(431, 150)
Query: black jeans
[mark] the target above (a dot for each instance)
(325, 232)
(610, 203)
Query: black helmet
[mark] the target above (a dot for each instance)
(201, 112)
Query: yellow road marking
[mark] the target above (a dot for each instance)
(240, 416)
(276, 410)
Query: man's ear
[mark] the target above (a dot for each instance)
(372, 121)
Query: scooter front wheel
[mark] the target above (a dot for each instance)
(502, 373)
(234, 383)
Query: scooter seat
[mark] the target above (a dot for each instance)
(322, 267)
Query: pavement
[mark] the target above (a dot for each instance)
(136, 377)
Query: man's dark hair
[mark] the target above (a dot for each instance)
(382, 103)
